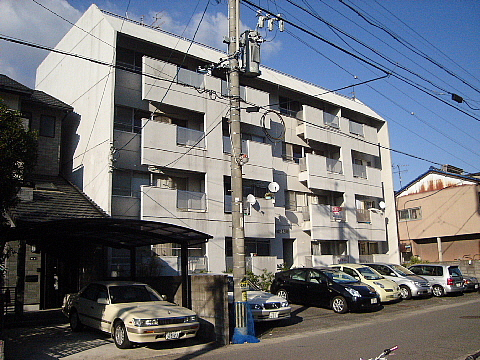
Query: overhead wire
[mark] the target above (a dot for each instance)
(405, 43)
(366, 61)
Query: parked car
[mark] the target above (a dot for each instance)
(264, 306)
(325, 287)
(387, 289)
(470, 283)
(411, 285)
(443, 278)
(131, 312)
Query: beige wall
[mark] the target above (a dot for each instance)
(448, 212)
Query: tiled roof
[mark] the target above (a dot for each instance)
(8, 84)
(36, 96)
(54, 198)
(45, 99)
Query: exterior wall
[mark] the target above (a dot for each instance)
(156, 149)
(451, 211)
(451, 249)
(88, 87)
(48, 161)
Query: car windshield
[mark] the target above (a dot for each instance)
(402, 270)
(369, 274)
(132, 293)
(339, 276)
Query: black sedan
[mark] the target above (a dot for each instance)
(325, 287)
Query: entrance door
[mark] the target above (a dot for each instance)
(288, 252)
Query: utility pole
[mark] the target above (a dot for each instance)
(238, 233)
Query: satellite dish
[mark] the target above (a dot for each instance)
(251, 199)
(381, 204)
(273, 187)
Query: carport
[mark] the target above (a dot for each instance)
(66, 237)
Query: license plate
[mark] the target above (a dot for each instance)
(273, 315)
(459, 284)
(374, 301)
(172, 335)
(476, 286)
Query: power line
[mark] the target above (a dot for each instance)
(369, 62)
(407, 44)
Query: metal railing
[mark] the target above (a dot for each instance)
(191, 200)
(334, 166)
(191, 78)
(360, 171)
(363, 216)
(331, 120)
(190, 137)
(7, 294)
(356, 128)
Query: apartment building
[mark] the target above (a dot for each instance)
(439, 216)
(150, 141)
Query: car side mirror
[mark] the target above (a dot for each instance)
(102, 301)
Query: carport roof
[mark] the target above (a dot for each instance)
(113, 232)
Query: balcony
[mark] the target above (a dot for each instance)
(259, 218)
(259, 165)
(172, 145)
(370, 225)
(331, 120)
(360, 171)
(185, 208)
(320, 172)
(163, 82)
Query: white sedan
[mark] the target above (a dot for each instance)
(131, 312)
(264, 306)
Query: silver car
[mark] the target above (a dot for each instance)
(444, 278)
(411, 285)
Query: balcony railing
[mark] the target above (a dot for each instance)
(360, 171)
(356, 128)
(363, 216)
(227, 146)
(191, 200)
(334, 166)
(191, 78)
(331, 120)
(190, 137)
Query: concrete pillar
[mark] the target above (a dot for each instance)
(439, 247)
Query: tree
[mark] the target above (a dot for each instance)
(18, 155)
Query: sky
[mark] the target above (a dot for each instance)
(430, 49)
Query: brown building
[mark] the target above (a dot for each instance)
(439, 216)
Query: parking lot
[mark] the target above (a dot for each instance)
(47, 335)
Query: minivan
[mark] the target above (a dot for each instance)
(443, 278)
(411, 285)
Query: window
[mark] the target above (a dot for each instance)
(127, 183)
(129, 119)
(47, 126)
(329, 247)
(292, 152)
(259, 247)
(289, 107)
(410, 214)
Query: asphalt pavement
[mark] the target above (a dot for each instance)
(433, 328)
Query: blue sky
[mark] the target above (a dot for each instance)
(429, 45)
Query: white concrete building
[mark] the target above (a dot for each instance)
(150, 141)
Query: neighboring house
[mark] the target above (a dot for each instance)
(439, 216)
(46, 196)
(151, 142)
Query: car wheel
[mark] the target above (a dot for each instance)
(283, 294)
(120, 336)
(438, 291)
(75, 323)
(406, 292)
(339, 305)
